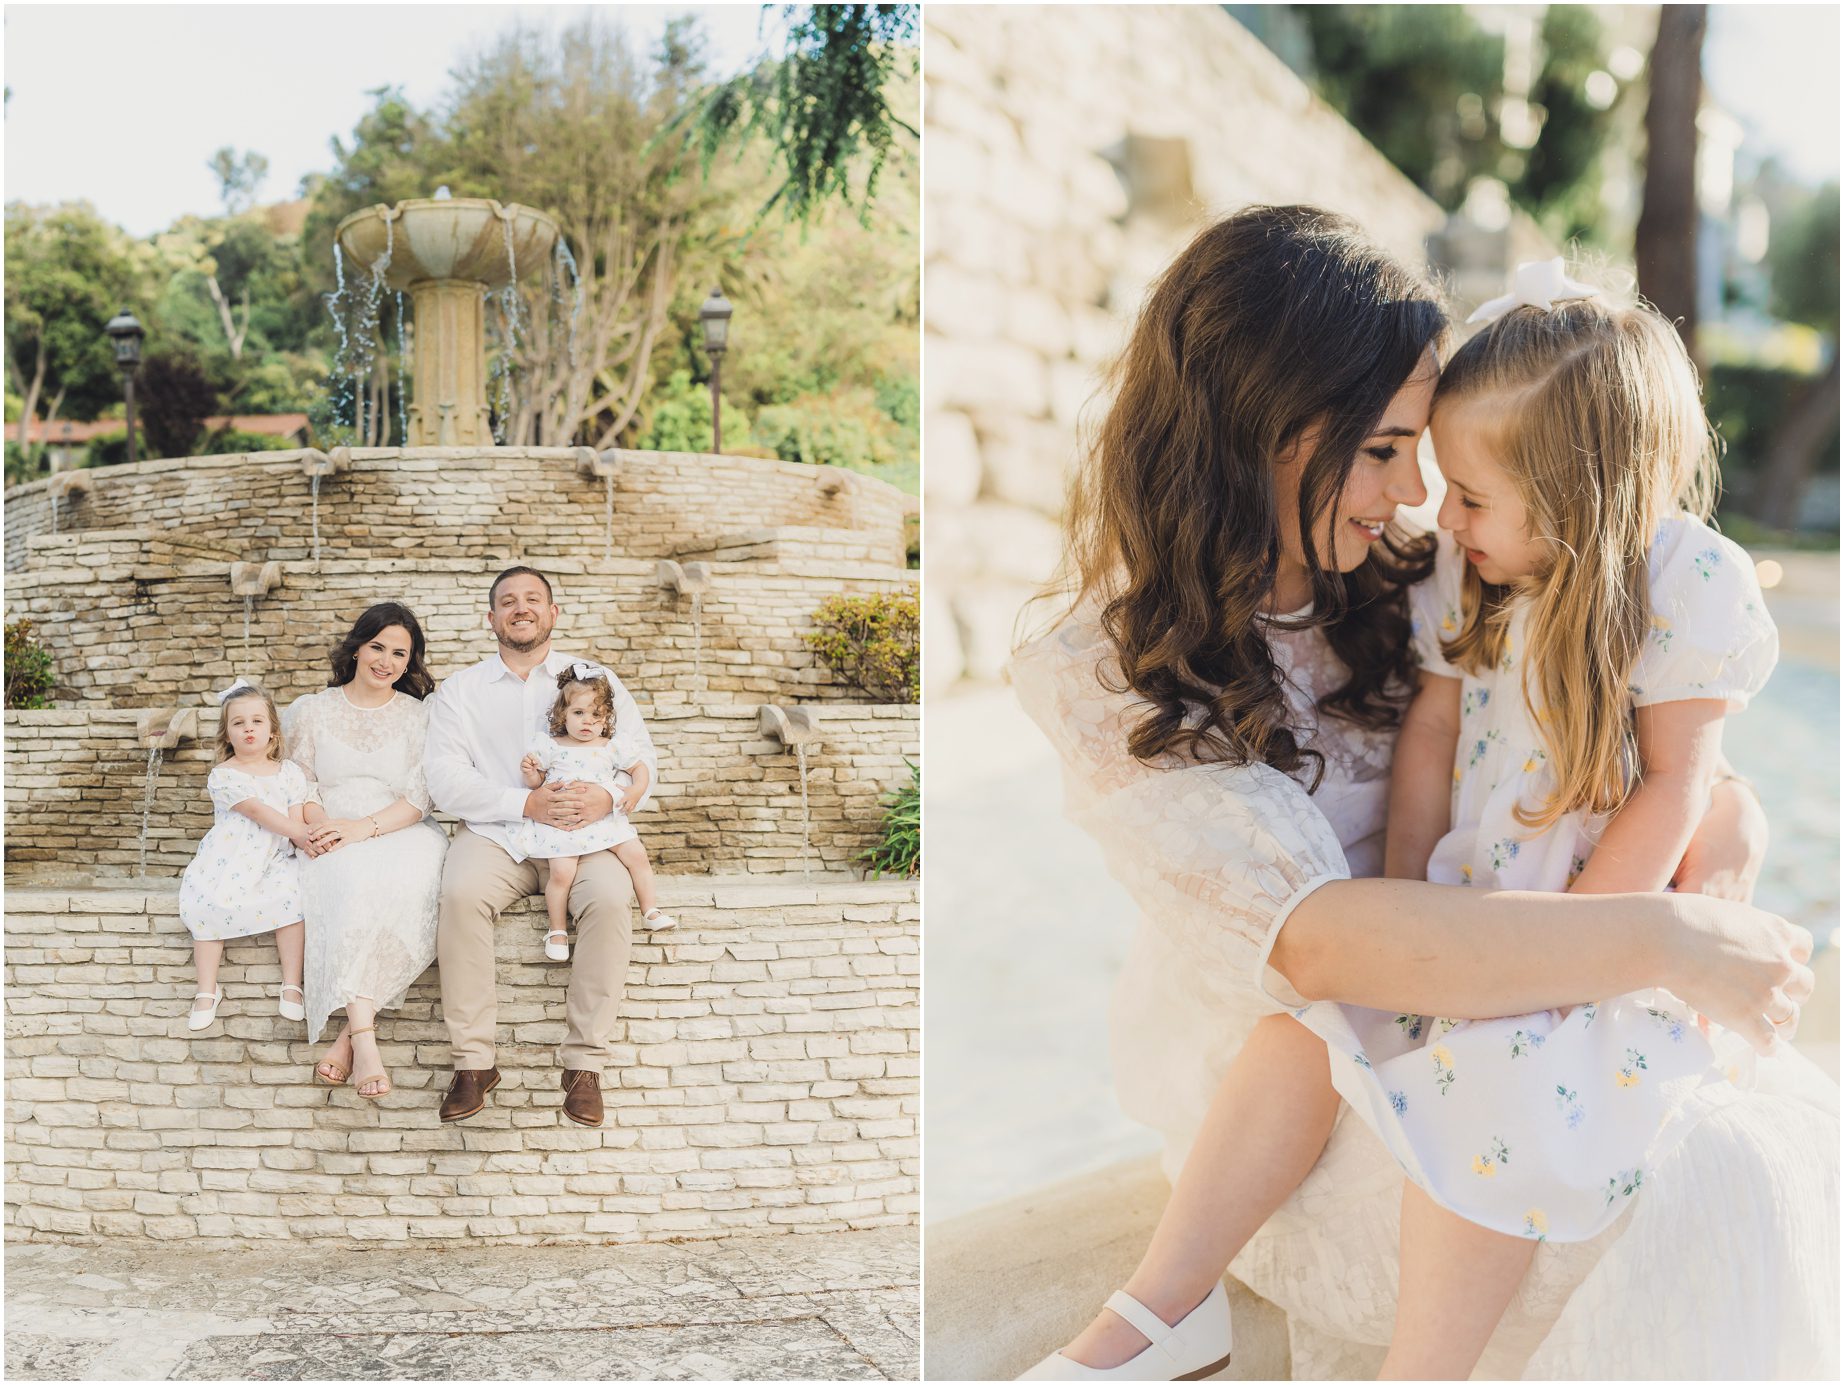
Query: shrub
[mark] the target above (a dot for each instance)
(899, 849)
(679, 418)
(178, 398)
(28, 668)
(111, 449)
(874, 643)
(228, 440)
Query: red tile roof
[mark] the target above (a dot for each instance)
(69, 431)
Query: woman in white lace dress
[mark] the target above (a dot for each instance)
(1224, 697)
(375, 856)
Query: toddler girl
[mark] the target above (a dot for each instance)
(245, 879)
(582, 746)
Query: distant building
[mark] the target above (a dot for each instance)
(66, 441)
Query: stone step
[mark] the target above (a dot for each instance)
(133, 618)
(791, 541)
(728, 798)
(482, 503)
(764, 1078)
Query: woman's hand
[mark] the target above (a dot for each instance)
(1727, 849)
(330, 836)
(1743, 967)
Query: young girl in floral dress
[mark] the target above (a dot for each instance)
(581, 745)
(1581, 638)
(246, 879)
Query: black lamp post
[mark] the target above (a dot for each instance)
(126, 334)
(715, 315)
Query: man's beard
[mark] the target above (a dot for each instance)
(518, 646)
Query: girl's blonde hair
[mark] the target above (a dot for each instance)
(276, 749)
(567, 683)
(1597, 416)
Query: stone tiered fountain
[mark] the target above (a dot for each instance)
(766, 1074)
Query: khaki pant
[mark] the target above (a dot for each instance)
(480, 879)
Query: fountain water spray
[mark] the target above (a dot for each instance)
(798, 729)
(159, 731)
(313, 486)
(693, 580)
(806, 816)
(147, 799)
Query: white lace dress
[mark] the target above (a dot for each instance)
(1727, 1266)
(370, 906)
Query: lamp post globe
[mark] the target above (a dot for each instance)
(125, 334)
(714, 316)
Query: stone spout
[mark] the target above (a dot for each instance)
(830, 481)
(165, 728)
(314, 462)
(598, 465)
(71, 485)
(687, 579)
(255, 579)
(791, 726)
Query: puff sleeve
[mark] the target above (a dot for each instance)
(1434, 611)
(228, 788)
(1216, 856)
(1710, 636)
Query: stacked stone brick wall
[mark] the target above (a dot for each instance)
(489, 505)
(1071, 155)
(728, 799)
(130, 621)
(763, 1078)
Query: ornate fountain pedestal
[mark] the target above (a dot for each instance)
(449, 253)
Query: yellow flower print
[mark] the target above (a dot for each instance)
(1624, 1078)
(1536, 1223)
(1456, 774)
(1443, 1067)
(1628, 1075)
(1483, 1166)
(1466, 875)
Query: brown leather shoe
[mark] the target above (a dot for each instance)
(582, 1096)
(467, 1093)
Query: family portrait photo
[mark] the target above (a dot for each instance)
(462, 667)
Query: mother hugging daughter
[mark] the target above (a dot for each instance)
(1551, 1061)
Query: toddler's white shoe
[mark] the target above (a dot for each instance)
(658, 920)
(1198, 1347)
(199, 1019)
(557, 945)
(291, 1009)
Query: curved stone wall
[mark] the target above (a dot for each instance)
(729, 798)
(764, 1077)
(131, 620)
(488, 504)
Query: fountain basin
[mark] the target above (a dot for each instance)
(449, 238)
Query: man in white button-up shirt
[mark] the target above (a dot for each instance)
(481, 722)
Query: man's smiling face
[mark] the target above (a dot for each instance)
(522, 614)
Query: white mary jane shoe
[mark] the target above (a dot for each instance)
(197, 1019)
(291, 1009)
(658, 921)
(557, 946)
(1198, 1347)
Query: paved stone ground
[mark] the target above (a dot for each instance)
(837, 1306)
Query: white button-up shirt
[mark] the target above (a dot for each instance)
(481, 723)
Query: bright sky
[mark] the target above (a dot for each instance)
(122, 105)
(1775, 68)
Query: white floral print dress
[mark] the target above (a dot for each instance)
(1546, 1125)
(245, 879)
(1216, 858)
(598, 762)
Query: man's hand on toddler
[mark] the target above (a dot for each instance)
(568, 806)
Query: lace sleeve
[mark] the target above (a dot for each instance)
(1217, 856)
(299, 741)
(416, 788)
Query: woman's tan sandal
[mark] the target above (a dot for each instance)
(379, 1076)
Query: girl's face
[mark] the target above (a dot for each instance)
(1482, 509)
(246, 721)
(1385, 475)
(581, 721)
(382, 659)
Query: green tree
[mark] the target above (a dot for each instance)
(67, 273)
(176, 397)
(238, 175)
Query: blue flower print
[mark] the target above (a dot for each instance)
(1477, 755)
(1475, 701)
(1672, 1026)
(1624, 1184)
(1399, 1103)
(1706, 563)
(1577, 865)
(1570, 1106)
(1661, 633)
(1504, 852)
(1523, 1041)
(1410, 1025)
(1361, 1061)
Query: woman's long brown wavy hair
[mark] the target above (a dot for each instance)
(1273, 321)
(344, 657)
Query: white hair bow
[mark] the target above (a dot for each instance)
(585, 670)
(1535, 284)
(240, 685)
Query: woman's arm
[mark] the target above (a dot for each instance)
(1421, 779)
(335, 833)
(1449, 950)
(1680, 744)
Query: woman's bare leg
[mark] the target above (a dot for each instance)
(1457, 1278)
(1264, 1131)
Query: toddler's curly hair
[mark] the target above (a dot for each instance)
(568, 682)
